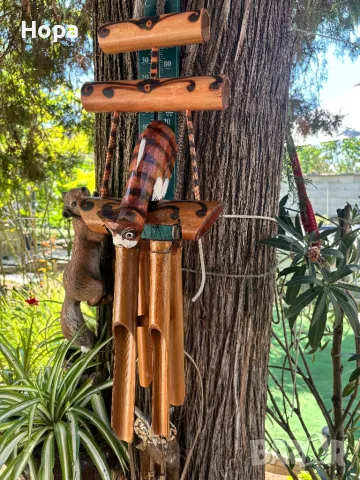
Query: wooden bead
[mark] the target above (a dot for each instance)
(173, 29)
(157, 95)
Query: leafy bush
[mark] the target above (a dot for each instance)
(55, 417)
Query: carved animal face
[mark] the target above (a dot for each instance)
(126, 228)
(72, 200)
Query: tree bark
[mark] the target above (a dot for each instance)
(240, 157)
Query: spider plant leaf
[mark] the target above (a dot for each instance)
(9, 447)
(99, 408)
(33, 470)
(62, 442)
(74, 444)
(14, 363)
(31, 420)
(19, 407)
(56, 374)
(96, 389)
(46, 471)
(96, 454)
(302, 301)
(74, 374)
(107, 433)
(23, 458)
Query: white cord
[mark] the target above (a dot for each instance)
(203, 272)
(257, 217)
(202, 261)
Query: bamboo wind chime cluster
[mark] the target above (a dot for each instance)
(148, 321)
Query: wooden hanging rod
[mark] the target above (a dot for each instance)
(171, 30)
(195, 218)
(157, 95)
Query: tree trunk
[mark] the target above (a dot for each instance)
(240, 156)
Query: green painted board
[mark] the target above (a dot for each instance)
(168, 67)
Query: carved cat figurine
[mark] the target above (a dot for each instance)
(82, 279)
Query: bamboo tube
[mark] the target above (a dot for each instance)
(195, 218)
(143, 339)
(176, 342)
(159, 317)
(124, 326)
(171, 30)
(157, 95)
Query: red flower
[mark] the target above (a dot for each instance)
(32, 301)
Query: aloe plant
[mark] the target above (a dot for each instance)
(55, 418)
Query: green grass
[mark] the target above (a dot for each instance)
(321, 370)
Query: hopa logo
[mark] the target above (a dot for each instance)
(44, 31)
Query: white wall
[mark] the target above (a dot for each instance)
(329, 192)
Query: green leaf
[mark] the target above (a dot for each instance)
(326, 233)
(96, 454)
(26, 453)
(31, 420)
(74, 444)
(275, 242)
(337, 311)
(287, 271)
(293, 291)
(73, 376)
(302, 301)
(348, 390)
(355, 357)
(349, 308)
(296, 246)
(12, 410)
(10, 446)
(107, 433)
(99, 408)
(331, 252)
(283, 201)
(289, 229)
(355, 375)
(348, 286)
(298, 225)
(305, 280)
(46, 471)
(318, 322)
(61, 435)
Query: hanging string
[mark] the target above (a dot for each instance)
(196, 191)
(104, 191)
(203, 271)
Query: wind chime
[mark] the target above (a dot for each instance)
(148, 319)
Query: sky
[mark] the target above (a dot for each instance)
(340, 95)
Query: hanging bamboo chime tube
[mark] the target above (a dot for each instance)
(163, 31)
(125, 312)
(143, 338)
(157, 95)
(176, 342)
(159, 323)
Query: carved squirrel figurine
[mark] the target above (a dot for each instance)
(82, 279)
